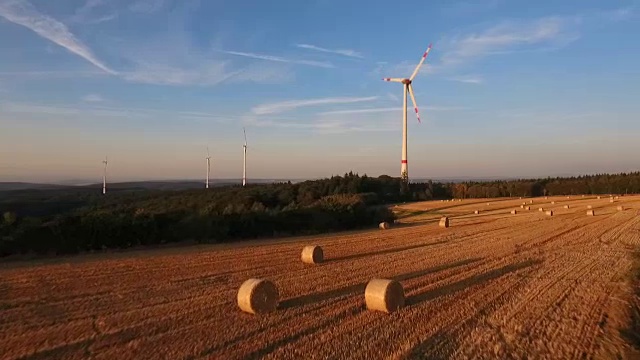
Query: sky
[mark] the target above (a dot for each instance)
(509, 89)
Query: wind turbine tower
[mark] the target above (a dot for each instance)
(244, 163)
(408, 88)
(208, 168)
(104, 176)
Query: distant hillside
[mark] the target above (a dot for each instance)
(11, 186)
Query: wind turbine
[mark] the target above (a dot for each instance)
(408, 88)
(104, 176)
(244, 163)
(208, 168)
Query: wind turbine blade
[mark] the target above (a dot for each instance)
(393, 79)
(413, 100)
(208, 156)
(424, 57)
(245, 136)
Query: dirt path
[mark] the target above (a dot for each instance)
(493, 285)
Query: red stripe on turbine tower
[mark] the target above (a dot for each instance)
(404, 161)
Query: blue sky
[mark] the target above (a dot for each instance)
(509, 89)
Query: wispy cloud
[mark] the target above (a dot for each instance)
(283, 106)
(469, 79)
(386, 109)
(507, 36)
(343, 52)
(322, 64)
(93, 98)
(21, 12)
(87, 14)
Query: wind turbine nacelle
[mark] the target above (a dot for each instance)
(406, 81)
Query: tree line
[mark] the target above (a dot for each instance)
(74, 220)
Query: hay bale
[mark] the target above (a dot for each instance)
(546, 197)
(488, 204)
(553, 203)
(384, 225)
(530, 201)
(312, 254)
(514, 212)
(611, 200)
(589, 207)
(615, 197)
(598, 197)
(582, 195)
(384, 295)
(540, 209)
(549, 212)
(444, 222)
(522, 206)
(477, 212)
(591, 213)
(620, 208)
(527, 207)
(258, 296)
(566, 206)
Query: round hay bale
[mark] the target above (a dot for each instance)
(549, 212)
(591, 213)
(530, 201)
(546, 197)
(477, 212)
(582, 195)
(540, 209)
(488, 204)
(514, 212)
(598, 197)
(611, 200)
(553, 203)
(384, 225)
(589, 207)
(620, 208)
(384, 295)
(615, 197)
(312, 254)
(258, 296)
(527, 207)
(444, 222)
(566, 206)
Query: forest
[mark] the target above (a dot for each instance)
(72, 220)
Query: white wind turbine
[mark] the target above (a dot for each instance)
(208, 168)
(244, 163)
(408, 88)
(104, 176)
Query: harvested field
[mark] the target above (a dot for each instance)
(492, 284)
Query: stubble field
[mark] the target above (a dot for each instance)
(493, 285)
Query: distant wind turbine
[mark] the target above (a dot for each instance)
(104, 176)
(408, 88)
(208, 168)
(244, 163)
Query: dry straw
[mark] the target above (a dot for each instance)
(312, 254)
(258, 296)
(383, 225)
(591, 213)
(549, 212)
(444, 222)
(384, 295)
